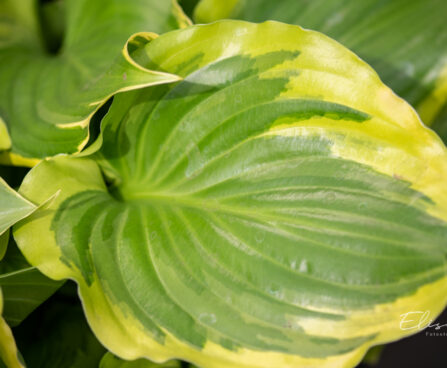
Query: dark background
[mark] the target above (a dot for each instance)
(417, 351)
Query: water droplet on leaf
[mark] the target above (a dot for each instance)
(207, 318)
(304, 266)
(275, 290)
(260, 237)
(195, 162)
(153, 235)
(330, 196)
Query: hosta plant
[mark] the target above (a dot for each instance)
(261, 199)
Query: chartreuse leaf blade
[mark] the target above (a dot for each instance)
(13, 206)
(405, 42)
(48, 99)
(279, 207)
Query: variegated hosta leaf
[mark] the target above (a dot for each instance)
(48, 99)
(405, 41)
(279, 207)
(111, 361)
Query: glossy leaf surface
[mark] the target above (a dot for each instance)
(279, 207)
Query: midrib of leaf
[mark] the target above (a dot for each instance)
(212, 205)
(13, 273)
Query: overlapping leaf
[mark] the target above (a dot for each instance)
(47, 99)
(404, 41)
(279, 207)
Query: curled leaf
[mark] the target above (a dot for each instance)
(47, 99)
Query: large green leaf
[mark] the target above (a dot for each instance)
(279, 207)
(48, 99)
(405, 41)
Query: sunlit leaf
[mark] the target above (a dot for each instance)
(278, 207)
